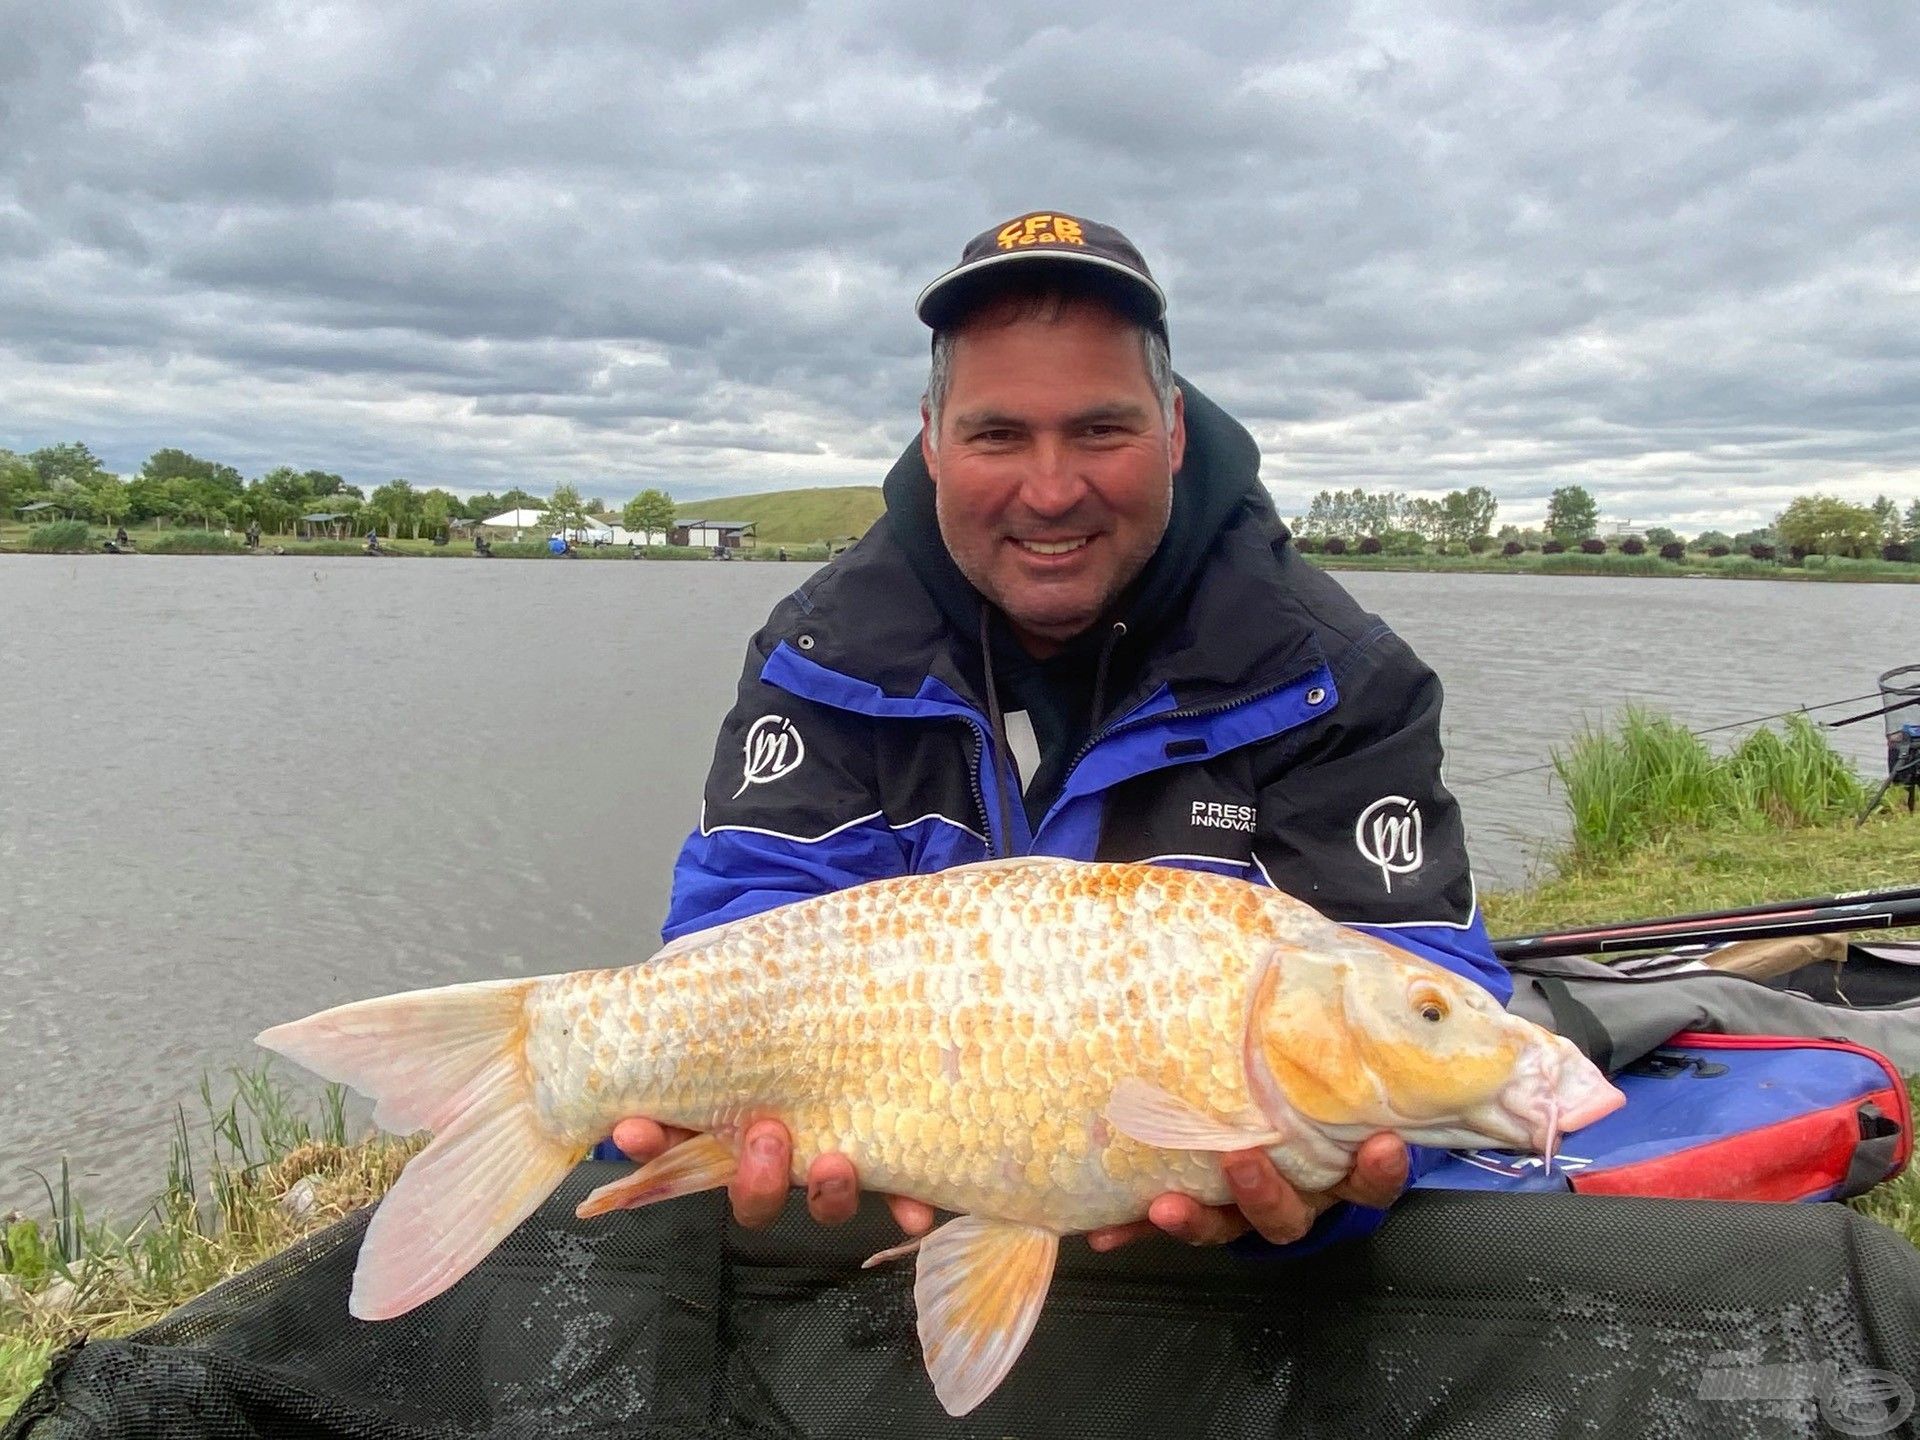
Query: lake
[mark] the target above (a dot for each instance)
(238, 790)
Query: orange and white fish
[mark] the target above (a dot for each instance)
(1042, 1045)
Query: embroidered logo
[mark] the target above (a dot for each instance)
(773, 749)
(1214, 816)
(1388, 835)
(1040, 230)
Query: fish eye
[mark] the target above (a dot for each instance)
(1432, 1007)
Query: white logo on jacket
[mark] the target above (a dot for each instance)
(1388, 835)
(773, 749)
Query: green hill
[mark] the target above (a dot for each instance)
(796, 517)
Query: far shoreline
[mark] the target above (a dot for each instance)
(1610, 565)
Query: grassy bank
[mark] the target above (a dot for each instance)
(1613, 564)
(274, 1176)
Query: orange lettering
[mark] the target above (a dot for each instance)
(1068, 231)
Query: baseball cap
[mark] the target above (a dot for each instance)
(1040, 238)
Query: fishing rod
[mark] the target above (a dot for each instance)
(1881, 910)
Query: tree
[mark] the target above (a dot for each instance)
(517, 499)
(64, 466)
(179, 465)
(1913, 523)
(1466, 515)
(18, 480)
(1660, 535)
(397, 503)
(1571, 514)
(1707, 539)
(565, 511)
(1887, 516)
(109, 498)
(649, 513)
(436, 508)
(1827, 525)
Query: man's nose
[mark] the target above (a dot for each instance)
(1052, 485)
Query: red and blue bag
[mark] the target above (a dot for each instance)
(1724, 1117)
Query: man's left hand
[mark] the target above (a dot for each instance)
(1265, 1202)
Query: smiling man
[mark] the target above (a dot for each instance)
(1081, 630)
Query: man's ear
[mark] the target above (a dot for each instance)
(928, 454)
(1177, 436)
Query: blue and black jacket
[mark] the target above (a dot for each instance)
(1264, 726)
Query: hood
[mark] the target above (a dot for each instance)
(1219, 476)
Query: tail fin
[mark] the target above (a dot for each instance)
(452, 1061)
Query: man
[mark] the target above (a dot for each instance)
(1080, 630)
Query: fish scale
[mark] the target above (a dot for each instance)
(957, 1040)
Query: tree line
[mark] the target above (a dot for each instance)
(1398, 524)
(179, 488)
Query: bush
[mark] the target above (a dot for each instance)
(1759, 551)
(60, 538)
(1336, 546)
(1897, 550)
(1371, 546)
(1633, 545)
(1513, 548)
(1673, 550)
(1307, 544)
(1719, 552)
(1591, 546)
(1479, 544)
(195, 542)
(1553, 547)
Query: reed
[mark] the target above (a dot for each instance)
(1649, 777)
(272, 1176)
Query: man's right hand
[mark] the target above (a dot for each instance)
(759, 1186)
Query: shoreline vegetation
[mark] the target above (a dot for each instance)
(1661, 825)
(78, 538)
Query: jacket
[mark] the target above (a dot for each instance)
(1267, 728)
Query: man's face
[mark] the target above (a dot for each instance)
(1053, 475)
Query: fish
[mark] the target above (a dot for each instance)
(1038, 1046)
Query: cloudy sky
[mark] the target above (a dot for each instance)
(1666, 250)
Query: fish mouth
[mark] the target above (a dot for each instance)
(1556, 1090)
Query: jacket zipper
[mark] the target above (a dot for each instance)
(980, 789)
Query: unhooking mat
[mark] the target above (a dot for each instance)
(1466, 1315)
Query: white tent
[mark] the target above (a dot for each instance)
(514, 520)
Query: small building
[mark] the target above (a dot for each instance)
(715, 534)
(38, 512)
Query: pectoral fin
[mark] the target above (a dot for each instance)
(979, 1288)
(1144, 1112)
(704, 1162)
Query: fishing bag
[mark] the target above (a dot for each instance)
(1736, 1089)
(1724, 1117)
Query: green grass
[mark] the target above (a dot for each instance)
(69, 1274)
(59, 538)
(1649, 777)
(796, 517)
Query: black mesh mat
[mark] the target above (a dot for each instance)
(1467, 1315)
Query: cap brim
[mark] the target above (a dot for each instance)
(960, 286)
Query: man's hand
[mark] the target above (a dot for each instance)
(759, 1185)
(1264, 1201)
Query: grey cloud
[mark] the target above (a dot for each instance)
(1494, 241)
